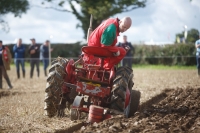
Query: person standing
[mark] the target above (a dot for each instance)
(5, 60)
(44, 49)
(34, 51)
(127, 61)
(197, 45)
(19, 53)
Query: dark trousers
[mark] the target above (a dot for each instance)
(198, 61)
(127, 61)
(5, 75)
(33, 63)
(198, 64)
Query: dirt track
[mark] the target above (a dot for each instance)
(170, 102)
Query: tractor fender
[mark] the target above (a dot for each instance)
(112, 74)
(128, 94)
(70, 71)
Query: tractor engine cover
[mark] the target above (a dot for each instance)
(92, 89)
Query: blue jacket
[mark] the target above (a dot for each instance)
(19, 52)
(198, 49)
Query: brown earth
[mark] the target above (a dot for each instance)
(172, 111)
(170, 102)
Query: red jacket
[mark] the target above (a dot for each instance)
(95, 37)
(95, 40)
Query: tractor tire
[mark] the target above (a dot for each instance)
(135, 101)
(126, 72)
(122, 80)
(130, 82)
(53, 91)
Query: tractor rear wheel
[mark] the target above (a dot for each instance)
(122, 80)
(53, 91)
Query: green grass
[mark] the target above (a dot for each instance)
(137, 66)
(27, 64)
(177, 67)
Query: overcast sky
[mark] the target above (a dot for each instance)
(159, 22)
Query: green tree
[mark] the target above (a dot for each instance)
(192, 35)
(15, 7)
(100, 9)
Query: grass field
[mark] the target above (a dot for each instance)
(177, 67)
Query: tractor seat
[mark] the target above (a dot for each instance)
(100, 52)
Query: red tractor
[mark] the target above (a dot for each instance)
(90, 88)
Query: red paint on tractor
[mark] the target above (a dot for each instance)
(127, 97)
(70, 77)
(97, 116)
(70, 69)
(92, 89)
(112, 75)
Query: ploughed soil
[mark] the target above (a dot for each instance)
(171, 111)
(170, 102)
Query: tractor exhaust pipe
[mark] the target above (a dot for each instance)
(90, 28)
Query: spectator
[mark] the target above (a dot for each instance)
(44, 49)
(34, 51)
(127, 61)
(197, 45)
(105, 35)
(19, 53)
(5, 60)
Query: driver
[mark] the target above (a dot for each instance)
(105, 35)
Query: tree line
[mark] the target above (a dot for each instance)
(172, 54)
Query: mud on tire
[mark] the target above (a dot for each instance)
(135, 101)
(54, 84)
(123, 79)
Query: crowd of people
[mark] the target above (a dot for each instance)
(36, 53)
